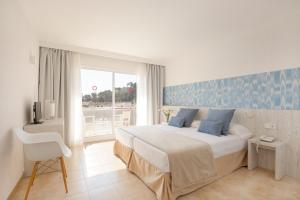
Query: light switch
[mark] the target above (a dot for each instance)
(270, 126)
(31, 58)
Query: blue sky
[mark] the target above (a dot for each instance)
(103, 80)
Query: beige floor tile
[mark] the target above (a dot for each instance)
(131, 188)
(76, 187)
(80, 196)
(48, 197)
(139, 196)
(105, 193)
(73, 163)
(118, 176)
(95, 173)
(101, 170)
(98, 181)
(75, 175)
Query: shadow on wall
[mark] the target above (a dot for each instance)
(10, 147)
(28, 111)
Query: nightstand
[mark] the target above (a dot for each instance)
(278, 147)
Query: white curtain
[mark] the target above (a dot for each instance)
(155, 81)
(75, 113)
(150, 83)
(59, 81)
(141, 104)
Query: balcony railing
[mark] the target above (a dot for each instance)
(101, 121)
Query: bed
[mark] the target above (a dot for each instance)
(152, 164)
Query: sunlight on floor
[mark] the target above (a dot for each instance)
(98, 159)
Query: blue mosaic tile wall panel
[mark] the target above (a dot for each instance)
(270, 90)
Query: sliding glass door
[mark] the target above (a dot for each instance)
(125, 100)
(108, 102)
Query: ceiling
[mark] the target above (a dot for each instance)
(160, 30)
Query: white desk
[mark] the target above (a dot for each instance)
(278, 147)
(55, 125)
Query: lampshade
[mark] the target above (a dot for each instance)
(49, 109)
(52, 110)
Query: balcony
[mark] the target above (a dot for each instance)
(100, 120)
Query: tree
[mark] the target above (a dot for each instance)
(132, 91)
(86, 98)
(94, 97)
(122, 94)
(105, 96)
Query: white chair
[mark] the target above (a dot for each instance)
(42, 147)
(126, 117)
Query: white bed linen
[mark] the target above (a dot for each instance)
(221, 146)
(123, 134)
(124, 137)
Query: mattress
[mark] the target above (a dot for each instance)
(124, 137)
(220, 146)
(123, 134)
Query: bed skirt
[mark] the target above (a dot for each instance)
(123, 152)
(160, 182)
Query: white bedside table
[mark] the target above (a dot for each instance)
(279, 150)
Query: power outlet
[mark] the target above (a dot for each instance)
(32, 59)
(270, 126)
(274, 126)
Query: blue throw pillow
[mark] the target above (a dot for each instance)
(224, 116)
(188, 115)
(176, 121)
(211, 127)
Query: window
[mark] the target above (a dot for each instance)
(108, 102)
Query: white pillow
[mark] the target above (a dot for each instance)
(196, 124)
(237, 129)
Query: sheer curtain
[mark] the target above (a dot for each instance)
(155, 81)
(151, 80)
(59, 81)
(141, 103)
(75, 113)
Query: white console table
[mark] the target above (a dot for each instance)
(54, 125)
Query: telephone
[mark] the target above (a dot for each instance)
(266, 138)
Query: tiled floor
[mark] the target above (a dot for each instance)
(94, 173)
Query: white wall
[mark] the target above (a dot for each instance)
(110, 64)
(264, 38)
(95, 52)
(18, 89)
